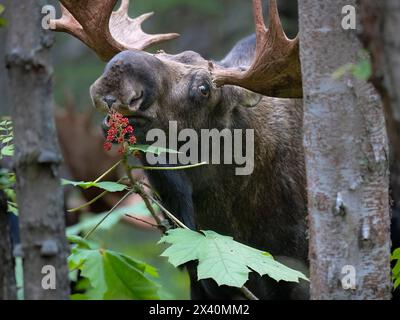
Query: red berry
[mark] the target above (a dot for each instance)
(107, 146)
(132, 139)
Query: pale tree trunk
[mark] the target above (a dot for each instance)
(37, 157)
(8, 289)
(381, 25)
(346, 161)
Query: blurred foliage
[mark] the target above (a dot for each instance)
(361, 70)
(117, 235)
(3, 21)
(140, 244)
(110, 274)
(396, 268)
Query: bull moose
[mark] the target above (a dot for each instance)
(256, 86)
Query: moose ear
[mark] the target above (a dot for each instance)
(247, 98)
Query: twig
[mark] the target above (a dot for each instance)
(108, 171)
(89, 202)
(169, 214)
(108, 213)
(143, 221)
(248, 294)
(141, 193)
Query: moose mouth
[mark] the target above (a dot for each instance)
(138, 121)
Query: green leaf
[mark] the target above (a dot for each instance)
(12, 207)
(221, 258)
(396, 254)
(363, 69)
(6, 140)
(81, 242)
(111, 186)
(341, 71)
(112, 275)
(396, 283)
(8, 151)
(396, 268)
(105, 185)
(150, 149)
(81, 184)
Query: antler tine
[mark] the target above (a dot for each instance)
(121, 27)
(275, 70)
(105, 31)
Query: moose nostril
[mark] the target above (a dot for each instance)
(110, 100)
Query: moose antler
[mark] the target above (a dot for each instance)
(275, 70)
(106, 32)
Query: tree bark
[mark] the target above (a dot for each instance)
(380, 27)
(8, 290)
(346, 161)
(37, 157)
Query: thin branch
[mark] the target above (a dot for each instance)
(169, 214)
(141, 193)
(101, 195)
(248, 294)
(108, 213)
(108, 171)
(143, 221)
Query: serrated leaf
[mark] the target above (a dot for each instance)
(150, 149)
(223, 259)
(112, 275)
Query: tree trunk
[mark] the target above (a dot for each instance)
(381, 24)
(346, 161)
(37, 157)
(8, 289)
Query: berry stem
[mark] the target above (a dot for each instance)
(108, 171)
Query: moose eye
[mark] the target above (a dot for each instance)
(204, 89)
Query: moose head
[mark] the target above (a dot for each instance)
(154, 88)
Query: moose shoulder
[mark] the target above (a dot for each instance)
(266, 209)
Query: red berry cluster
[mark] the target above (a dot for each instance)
(119, 131)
